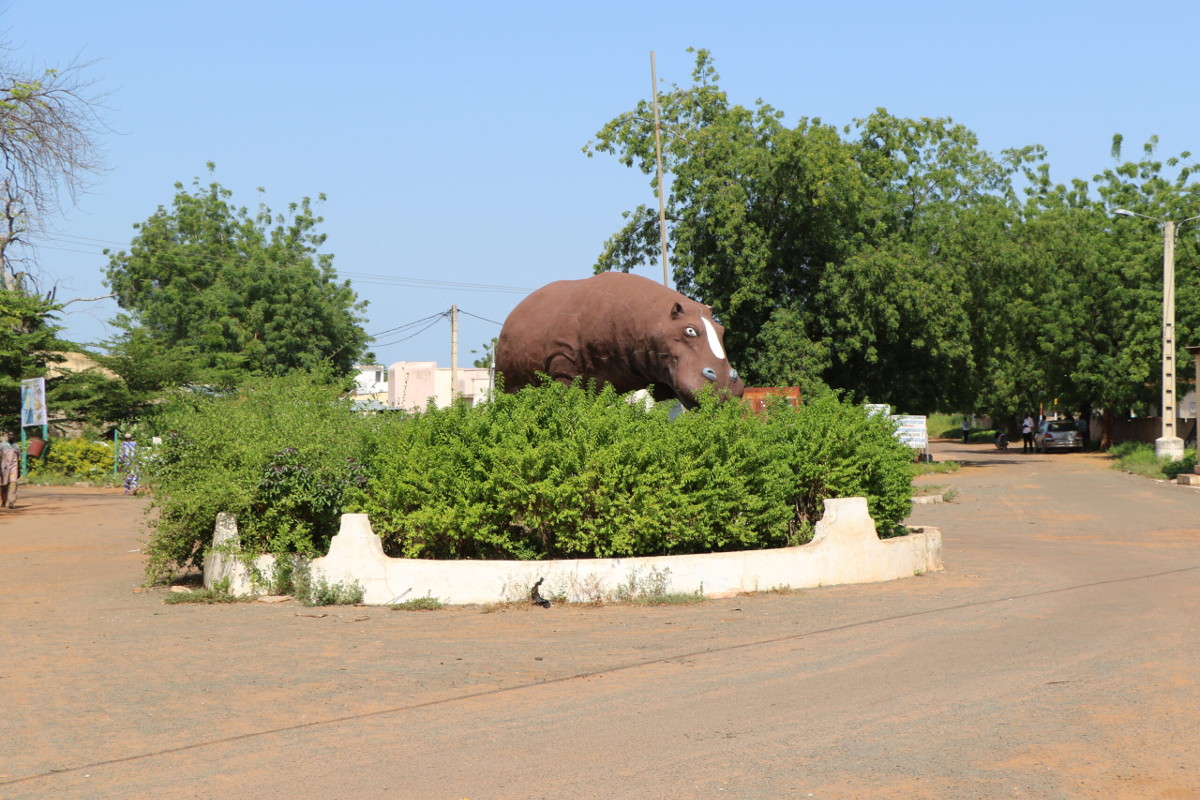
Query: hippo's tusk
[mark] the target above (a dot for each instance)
(713, 341)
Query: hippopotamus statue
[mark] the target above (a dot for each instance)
(620, 329)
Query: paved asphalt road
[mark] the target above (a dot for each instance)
(1057, 656)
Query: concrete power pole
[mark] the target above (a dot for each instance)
(1169, 445)
(453, 351)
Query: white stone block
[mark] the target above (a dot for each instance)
(845, 549)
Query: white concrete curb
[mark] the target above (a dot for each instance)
(844, 549)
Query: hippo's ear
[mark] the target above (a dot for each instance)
(677, 311)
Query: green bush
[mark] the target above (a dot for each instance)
(77, 458)
(561, 472)
(1125, 449)
(322, 593)
(548, 472)
(1172, 468)
(1139, 458)
(278, 455)
(840, 450)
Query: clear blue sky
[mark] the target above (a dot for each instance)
(447, 136)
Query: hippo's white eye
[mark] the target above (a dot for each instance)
(690, 332)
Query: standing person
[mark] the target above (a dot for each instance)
(125, 459)
(1082, 428)
(10, 471)
(966, 427)
(1027, 433)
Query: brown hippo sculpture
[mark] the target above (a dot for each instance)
(620, 329)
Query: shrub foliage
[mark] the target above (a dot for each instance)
(79, 458)
(560, 472)
(279, 456)
(548, 472)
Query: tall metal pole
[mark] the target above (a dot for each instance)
(453, 351)
(662, 208)
(1169, 445)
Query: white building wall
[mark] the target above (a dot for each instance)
(371, 381)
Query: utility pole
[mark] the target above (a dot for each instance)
(662, 208)
(453, 351)
(1169, 445)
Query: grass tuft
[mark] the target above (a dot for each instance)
(420, 604)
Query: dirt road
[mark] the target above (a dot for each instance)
(1057, 656)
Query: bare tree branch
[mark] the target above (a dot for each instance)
(66, 303)
(49, 125)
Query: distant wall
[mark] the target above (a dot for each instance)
(1146, 430)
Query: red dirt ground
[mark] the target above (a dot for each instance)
(1057, 656)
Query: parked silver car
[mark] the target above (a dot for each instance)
(1057, 434)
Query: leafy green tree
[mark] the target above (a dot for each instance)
(1076, 294)
(827, 258)
(896, 261)
(90, 397)
(1129, 373)
(487, 355)
(232, 293)
(757, 209)
(28, 343)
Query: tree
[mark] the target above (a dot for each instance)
(487, 355)
(1127, 372)
(757, 210)
(897, 262)
(48, 126)
(49, 121)
(210, 285)
(826, 258)
(28, 341)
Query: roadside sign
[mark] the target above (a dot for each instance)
(911, 430)
(33, 402)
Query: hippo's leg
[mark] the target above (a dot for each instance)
(663, 392)
(562, 365)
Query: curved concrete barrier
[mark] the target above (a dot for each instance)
(844, 549)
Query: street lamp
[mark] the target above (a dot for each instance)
(1168, 445)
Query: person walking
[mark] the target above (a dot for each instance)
(127, 458)
(10, 471)
(1027, 433)
(966, 427)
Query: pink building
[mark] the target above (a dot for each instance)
(411, 384)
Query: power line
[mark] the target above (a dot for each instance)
(408, 324)
(418, 333)
(425, 283)
(367, 278)
(61, 236)
(485, 319)
(67, 249)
